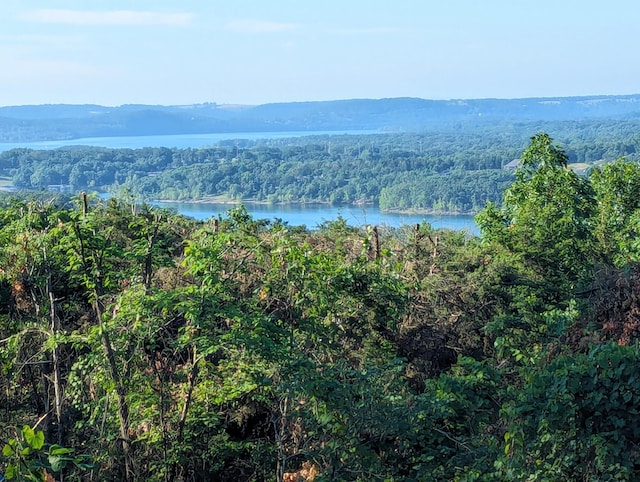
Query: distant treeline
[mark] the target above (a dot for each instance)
(59, 121)
(453, 171)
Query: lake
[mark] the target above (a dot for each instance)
(295, 215)
(180, 141)
(313, 215)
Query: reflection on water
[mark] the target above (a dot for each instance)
(314, 215)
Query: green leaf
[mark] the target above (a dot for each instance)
(56, 449)
(7, 450)
(34, 439)
(10, 472)
(38, 441)
(57, 462)
(28, 434)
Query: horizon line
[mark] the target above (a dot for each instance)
(248, 105)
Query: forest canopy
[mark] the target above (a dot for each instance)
(452, 170)
(136, 344)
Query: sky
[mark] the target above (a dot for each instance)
(114, 52)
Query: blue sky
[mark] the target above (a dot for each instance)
(114, 52)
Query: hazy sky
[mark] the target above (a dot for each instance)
(113, 52)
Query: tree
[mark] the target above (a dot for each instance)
(34, 260)
(545, 217)
(617, 218)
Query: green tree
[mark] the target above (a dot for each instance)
(545, 217)
(545, 225)
(617, 219)
(34, 260)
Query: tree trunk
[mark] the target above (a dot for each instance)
(123, 406)
(55, 360)
(116, 376)
(192, 378)
(148, 262)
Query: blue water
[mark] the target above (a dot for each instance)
(314, 215)
(180, 141)
(311, 216)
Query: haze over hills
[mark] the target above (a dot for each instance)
(63, 121)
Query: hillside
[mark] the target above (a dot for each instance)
(142, 345)
(60, 121)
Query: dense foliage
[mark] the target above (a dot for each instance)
(139, 345)
(442, 171)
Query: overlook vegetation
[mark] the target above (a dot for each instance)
(136, 344)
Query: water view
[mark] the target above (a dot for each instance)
(295, 215)
(313, 215)
(180, 141)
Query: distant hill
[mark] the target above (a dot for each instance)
(62, 121)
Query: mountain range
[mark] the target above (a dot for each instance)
(27, 123)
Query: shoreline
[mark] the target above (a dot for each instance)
(232, 202)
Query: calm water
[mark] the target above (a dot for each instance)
(314, 215)
(181, 141)
(296, 215)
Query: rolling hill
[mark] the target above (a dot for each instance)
(63, 121)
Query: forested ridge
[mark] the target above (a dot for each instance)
(136, 344)
(62, 121)
(450, 170)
